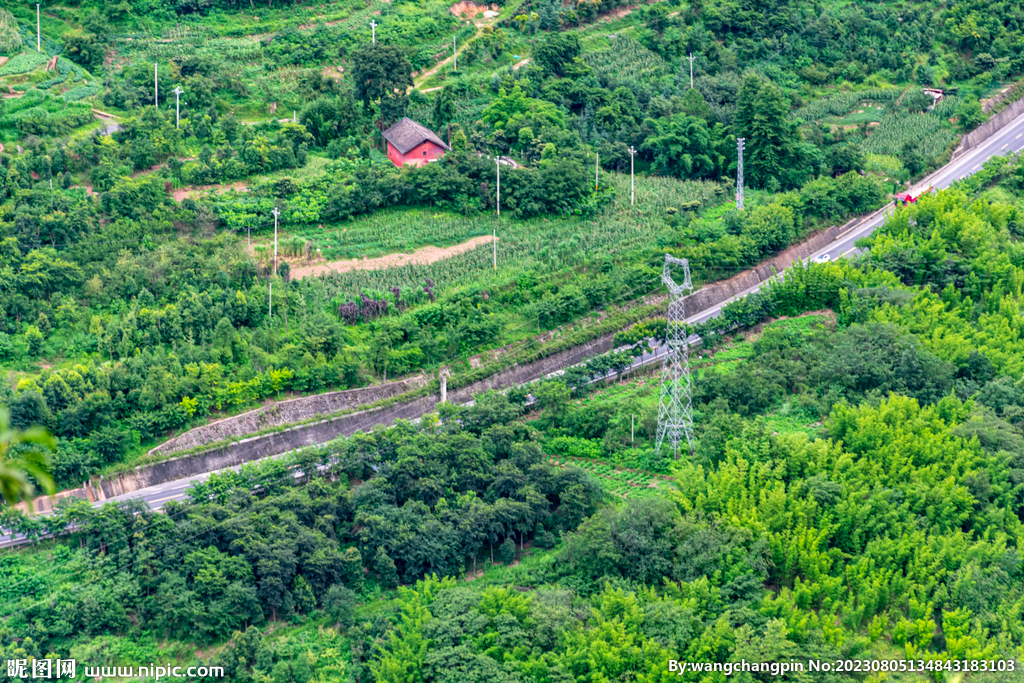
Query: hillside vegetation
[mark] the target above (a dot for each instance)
(855, 486)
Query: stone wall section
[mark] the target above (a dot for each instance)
(288, 412)
(985, 130)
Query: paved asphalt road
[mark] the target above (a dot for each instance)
(1008, 139)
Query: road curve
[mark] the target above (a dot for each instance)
(1008, 139)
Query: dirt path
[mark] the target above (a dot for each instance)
(424, 256)
(471, 12)
(423, 77)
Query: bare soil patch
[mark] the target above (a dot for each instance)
(471, 9)
(182, 193)
(424, 256)
(335, 72)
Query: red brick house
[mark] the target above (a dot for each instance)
(410, 144)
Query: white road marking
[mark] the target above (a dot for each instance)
(160, 500)
(1018, 135)
(976, 166)
(1004, 146)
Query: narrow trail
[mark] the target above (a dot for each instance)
(425, 76)
(487, 21)
(424, 256)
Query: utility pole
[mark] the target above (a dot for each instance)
(632, 196)
(691, 70)
(270, 302)
(739, 173)
(494, 241)
(276, 213)
(39, 32)
(675, 411)
(455, 56)
(294, 120)
(156, 85)
(177, 106)
(373, 28)
(597, 158)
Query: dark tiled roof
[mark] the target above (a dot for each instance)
(406, 134)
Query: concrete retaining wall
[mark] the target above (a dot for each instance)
(985, 130)
(714, 294)
(44, 504)
(288, 412)
(301, 436)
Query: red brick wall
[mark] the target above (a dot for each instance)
(421, 154)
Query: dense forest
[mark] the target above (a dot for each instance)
(182, 244)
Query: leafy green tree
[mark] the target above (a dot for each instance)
(507, 551)
(110, 443)
(23, 461)
(10, 36)
(340, 603)
(351, 569)
(384, 566)
(444, 107)
(34, 338)
(762, 117)
(329, 118)
(969, 114)
(553, 397)
(378, 71)
(459, 141)
(683, 147)
(557, 53)
(510, 111)
(84, 48)
(305, 601)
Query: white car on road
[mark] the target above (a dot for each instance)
(824, 258)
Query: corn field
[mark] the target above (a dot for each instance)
(626, 61)
(842, 104)
(540, 245)
(930, 130)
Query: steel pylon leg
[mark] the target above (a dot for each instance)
(675, 409)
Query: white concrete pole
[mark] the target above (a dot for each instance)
(632, 195)
(276, 213)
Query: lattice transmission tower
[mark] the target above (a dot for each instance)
(675, 412)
